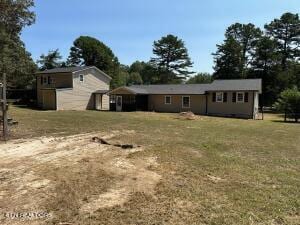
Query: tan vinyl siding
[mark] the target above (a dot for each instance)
(157, 103)
(49, 99)
(230, 108)
(105, 102)
(61, 80)
(81, 96)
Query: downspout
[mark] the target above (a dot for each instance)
(206, 104)
(55, 99)
(95, 101)
(253, 105)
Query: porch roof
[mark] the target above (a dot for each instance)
(101, 92)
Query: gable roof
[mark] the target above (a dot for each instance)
(237, 85)
(196, 89)
(72, 70)
(65, 70)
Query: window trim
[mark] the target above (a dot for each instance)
(182, 103)
(237, 97)
(45, 80)
(221, 101)
(168, 96)
(81, 75)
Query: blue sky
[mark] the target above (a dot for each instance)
(129, 27)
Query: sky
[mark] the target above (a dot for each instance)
(129, 27)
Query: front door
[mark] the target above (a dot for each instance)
(119, 104)
(98, 101)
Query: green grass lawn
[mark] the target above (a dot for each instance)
(215, 170)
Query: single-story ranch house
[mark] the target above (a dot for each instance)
(234, 98)
(73, 88)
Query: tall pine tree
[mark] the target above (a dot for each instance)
(286, 32)
(172, 59)
(235, 51)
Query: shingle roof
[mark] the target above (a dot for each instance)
(65, 70)
(101, 91)
(238, 85)
(193, 89)
(170, 89)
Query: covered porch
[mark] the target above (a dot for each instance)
(125, 100)
(101, 100)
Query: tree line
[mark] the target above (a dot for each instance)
(247, 52)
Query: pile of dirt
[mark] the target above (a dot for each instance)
(188, 115)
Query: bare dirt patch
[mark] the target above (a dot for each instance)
(71, 177)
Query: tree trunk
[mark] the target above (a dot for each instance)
(285, 116)
(4, 110)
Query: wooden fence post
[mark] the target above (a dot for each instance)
(4, 109)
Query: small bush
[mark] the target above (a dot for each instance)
(289, 103)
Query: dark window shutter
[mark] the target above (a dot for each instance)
(49, 80)
(234, 97)
(246, 97)
(225, 97)
(42, 80)
(214, 97)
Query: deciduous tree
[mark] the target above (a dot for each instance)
(289, 103)
(89, 51)
(15, 61)
(200, 78)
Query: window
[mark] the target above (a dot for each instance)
(234, 97)
(45, 80)
(186, 102)
(225, 97)
(112, 99)
(240, 97)
(168, 100)
(246, 97)
(219, 97)
(214, 97)
(81, 78)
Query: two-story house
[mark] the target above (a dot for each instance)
(73, 88)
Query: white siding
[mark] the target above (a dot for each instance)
(256, 105)
(105, 102)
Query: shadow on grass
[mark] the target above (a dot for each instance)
(29, 107)
(282, 121)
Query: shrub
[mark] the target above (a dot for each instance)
(289, 103)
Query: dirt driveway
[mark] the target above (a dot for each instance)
(66, 177)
